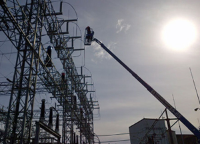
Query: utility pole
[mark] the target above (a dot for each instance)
(169, 128)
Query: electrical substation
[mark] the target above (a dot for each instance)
(48, 95)
(28, 26)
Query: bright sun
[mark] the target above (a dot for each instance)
(179, 34)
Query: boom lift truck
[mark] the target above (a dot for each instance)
(88, 39)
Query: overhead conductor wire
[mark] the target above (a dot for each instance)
(195, 86)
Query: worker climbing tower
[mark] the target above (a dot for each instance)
(25, 25)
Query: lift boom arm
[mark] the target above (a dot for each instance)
(154, 93)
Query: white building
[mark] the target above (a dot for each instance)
(150, 131)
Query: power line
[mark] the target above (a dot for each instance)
(6, 58)
(194, 85)
(123, 133)
(115, 141)
(3, 42)
(8, 53)
(115, 134)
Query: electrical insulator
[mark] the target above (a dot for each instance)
(42, 114)
(48, 58)
(74, 102)
(49, 48)
(63, 76)
(57, 123)
(51, 118)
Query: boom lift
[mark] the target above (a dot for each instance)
(90, 38)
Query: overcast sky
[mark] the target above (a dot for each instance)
(132, 30)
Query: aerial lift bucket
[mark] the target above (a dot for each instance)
(88, 36)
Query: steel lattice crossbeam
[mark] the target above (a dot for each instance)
(23, 26)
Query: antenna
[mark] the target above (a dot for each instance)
(195, 85)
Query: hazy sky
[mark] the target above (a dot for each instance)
(132, 30)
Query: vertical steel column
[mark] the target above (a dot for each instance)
(23, 26)
(169, 128)
(64, 122)
(26, 21)
(36, 140)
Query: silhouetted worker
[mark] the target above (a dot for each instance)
(88, 34)
(88, 30)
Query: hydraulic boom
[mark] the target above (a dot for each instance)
(149, 88)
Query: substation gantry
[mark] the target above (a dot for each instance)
(25, 25)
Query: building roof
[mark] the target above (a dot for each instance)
(146, 119)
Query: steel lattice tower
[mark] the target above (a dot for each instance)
(23, 25)
(25, 34)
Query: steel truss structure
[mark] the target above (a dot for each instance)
(24, 25)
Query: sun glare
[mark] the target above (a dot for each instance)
(179, 34)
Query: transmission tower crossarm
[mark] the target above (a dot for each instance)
(59, 40)
(23, 26)
(18, 127)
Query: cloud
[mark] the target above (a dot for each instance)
(100, 53)
(122, 26)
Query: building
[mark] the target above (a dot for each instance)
(187, 138)
(150, 131)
